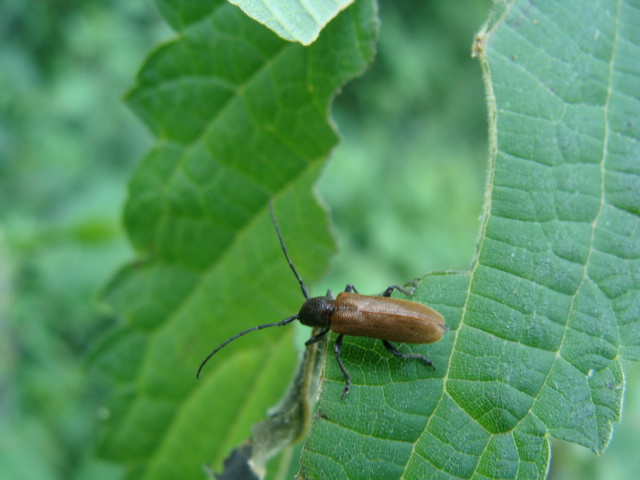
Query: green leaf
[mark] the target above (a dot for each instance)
(295, 20)
(538, 325)
(240, 117)
(552, 301)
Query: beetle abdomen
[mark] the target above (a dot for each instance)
(385, 318)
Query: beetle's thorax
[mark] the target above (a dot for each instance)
(316, 312)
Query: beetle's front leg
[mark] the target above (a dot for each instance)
(316, 338)
(337, 348)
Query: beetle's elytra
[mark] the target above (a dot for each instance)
(350, 313)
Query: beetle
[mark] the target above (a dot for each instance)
(351, 313)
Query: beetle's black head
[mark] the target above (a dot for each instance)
(316, 311)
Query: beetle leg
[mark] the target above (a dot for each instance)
(417, 356)
(316, 338)
(337, 348)
(351, 289)
(330, 294)
(391, 288)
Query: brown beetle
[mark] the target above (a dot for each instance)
(350, 313)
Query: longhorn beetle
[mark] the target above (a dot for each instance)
(350, 313)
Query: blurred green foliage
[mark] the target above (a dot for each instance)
(68, 146)
(414, 147)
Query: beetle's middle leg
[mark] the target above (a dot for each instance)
(351, 289)
(337, 348)
(417, 356)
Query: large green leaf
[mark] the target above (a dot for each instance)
(538, 325)
(551, 303)
(241, 117)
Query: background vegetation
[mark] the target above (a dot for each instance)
(415, 123)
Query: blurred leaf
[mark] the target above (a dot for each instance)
(294, 20)
(241, 116)
(551, 304)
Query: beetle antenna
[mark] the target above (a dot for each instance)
(259, 327)
(305, 292)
